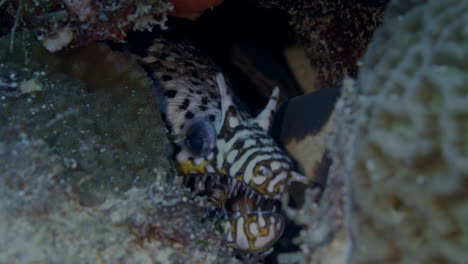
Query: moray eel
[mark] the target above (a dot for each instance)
(227, 152)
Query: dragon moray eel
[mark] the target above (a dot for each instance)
(226, 153)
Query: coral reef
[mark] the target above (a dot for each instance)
(336, 33)
(59, 24)
(84, 177)
(396, 190)
(409, 170)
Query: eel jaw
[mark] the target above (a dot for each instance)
(248, 220)
(252, 232)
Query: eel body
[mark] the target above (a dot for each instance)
(227, 152)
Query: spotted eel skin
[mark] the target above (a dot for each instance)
(229, 153)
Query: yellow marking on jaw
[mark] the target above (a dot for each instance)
(277, 186)
(251, 238)
(240, 177)
(188, 166)
(262, 189)
(222, 200)
(262, 231)
(248, 219)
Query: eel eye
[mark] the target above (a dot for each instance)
(201, 138)
(265, 171)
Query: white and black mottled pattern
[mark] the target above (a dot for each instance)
(191, 90)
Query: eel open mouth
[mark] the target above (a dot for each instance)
(230, 195)
(248, 220)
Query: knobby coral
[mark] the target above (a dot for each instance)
(410, 166)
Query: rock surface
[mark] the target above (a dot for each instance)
(84, 174)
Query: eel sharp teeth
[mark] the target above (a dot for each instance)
(236, 214)
(259, 198)
(231, 188)
(237, 189)
(200, 184)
